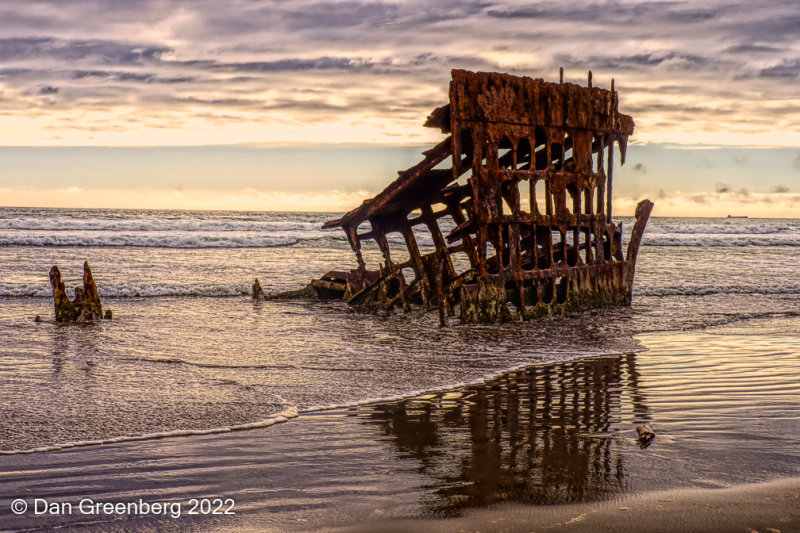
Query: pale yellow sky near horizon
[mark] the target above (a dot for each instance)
(754, 206)
(710, 182)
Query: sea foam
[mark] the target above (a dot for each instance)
(277, 418)
(131, 290)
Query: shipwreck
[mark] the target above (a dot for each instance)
(516, 200)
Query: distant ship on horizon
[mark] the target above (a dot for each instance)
(738, 216)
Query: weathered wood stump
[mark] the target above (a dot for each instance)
(86, 305)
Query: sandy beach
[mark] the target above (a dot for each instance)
(763, 507)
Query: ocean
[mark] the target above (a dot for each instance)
(708, 353)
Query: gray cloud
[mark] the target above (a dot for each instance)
(722, 188)
(47, 89)
(776, 23)
(779, 189)
(752, 48)
(123, 76)
(786, 69)
(634, 61)
(341, 15)
(611, 12)
(294, 64)
(99, 51)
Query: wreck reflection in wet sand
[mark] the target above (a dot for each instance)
(542, 435)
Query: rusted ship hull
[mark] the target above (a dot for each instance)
(534, 293)
(527, 201)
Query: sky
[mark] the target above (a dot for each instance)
(314, 105)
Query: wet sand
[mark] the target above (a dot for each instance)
(549, 446)
(763, 507)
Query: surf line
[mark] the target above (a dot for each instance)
(274, 419)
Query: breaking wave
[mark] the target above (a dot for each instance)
(167, 240)
(277, 418)
(145, 290)
(61, 224)
(704, 290)
(133, 290)
(199, 230)
(721, 240)
(199, 240)
(747, 228)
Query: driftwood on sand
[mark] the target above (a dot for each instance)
(86, 304)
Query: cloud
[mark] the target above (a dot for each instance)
(751, 48)
(722, 188)
(786, 70)
(95, 50)
(779, 189)
(700, 198)
(341, 15)
(709, 203)
(126, 76)
(682, 70)
(47, 89)
(640, 168)
(613, 12)
(295, 64)
(773, 24)
(636, 61)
